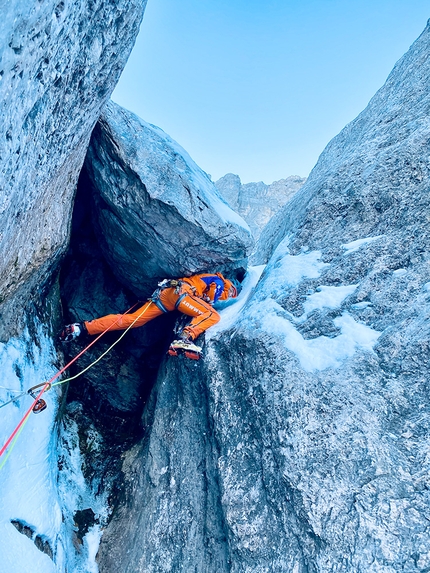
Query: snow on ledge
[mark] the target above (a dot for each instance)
(355, 245)
(231, 309)
(322, 352)
(328, 297)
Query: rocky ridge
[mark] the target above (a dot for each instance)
(257, 203)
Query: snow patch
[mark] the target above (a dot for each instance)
(231, 309)
(91, 546)
(285, 270)
(328, 297)
(318, 353)
(355, 245)
(361, 305)
(76, 495)
(34, 493)
(28, 478)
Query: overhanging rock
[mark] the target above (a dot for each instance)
(157, 214)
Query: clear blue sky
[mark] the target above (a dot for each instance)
(259, 87)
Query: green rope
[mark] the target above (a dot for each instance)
(12, 445)
(105, 352)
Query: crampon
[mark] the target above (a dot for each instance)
(187, 353)
(187, 348)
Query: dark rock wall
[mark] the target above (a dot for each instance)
(171, 506)
(123, 240)
(157, 214)
(110, 397)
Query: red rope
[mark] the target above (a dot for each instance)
(48, 384)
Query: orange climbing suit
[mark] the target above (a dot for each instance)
(193, 298)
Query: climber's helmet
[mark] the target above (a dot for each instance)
(234, 289)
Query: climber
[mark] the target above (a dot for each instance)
(193, 296)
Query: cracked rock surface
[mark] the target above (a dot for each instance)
(59, 63)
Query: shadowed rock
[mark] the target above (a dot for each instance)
(157, 213)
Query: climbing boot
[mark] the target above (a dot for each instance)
(186, 345)
(71, 331)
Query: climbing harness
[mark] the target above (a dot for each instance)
(38, 404)
(165, 283)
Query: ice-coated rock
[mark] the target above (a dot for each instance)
(314, 456)
(60, 60)
(157, 213)
(257, 203)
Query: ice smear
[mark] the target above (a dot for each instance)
(91, 546)
(28, 479)
(77, 495)
(318, 353)
(33, 492)
(231, 309)
(19, 554)
(328, 297)
(355, 245)
(361, 305)
(285, 270)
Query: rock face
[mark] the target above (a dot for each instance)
(147, 212)
(157, 213)
(257, 203)
(59, 63)
(172, 509)
(314, 453)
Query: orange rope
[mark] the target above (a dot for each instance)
(48, 384)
